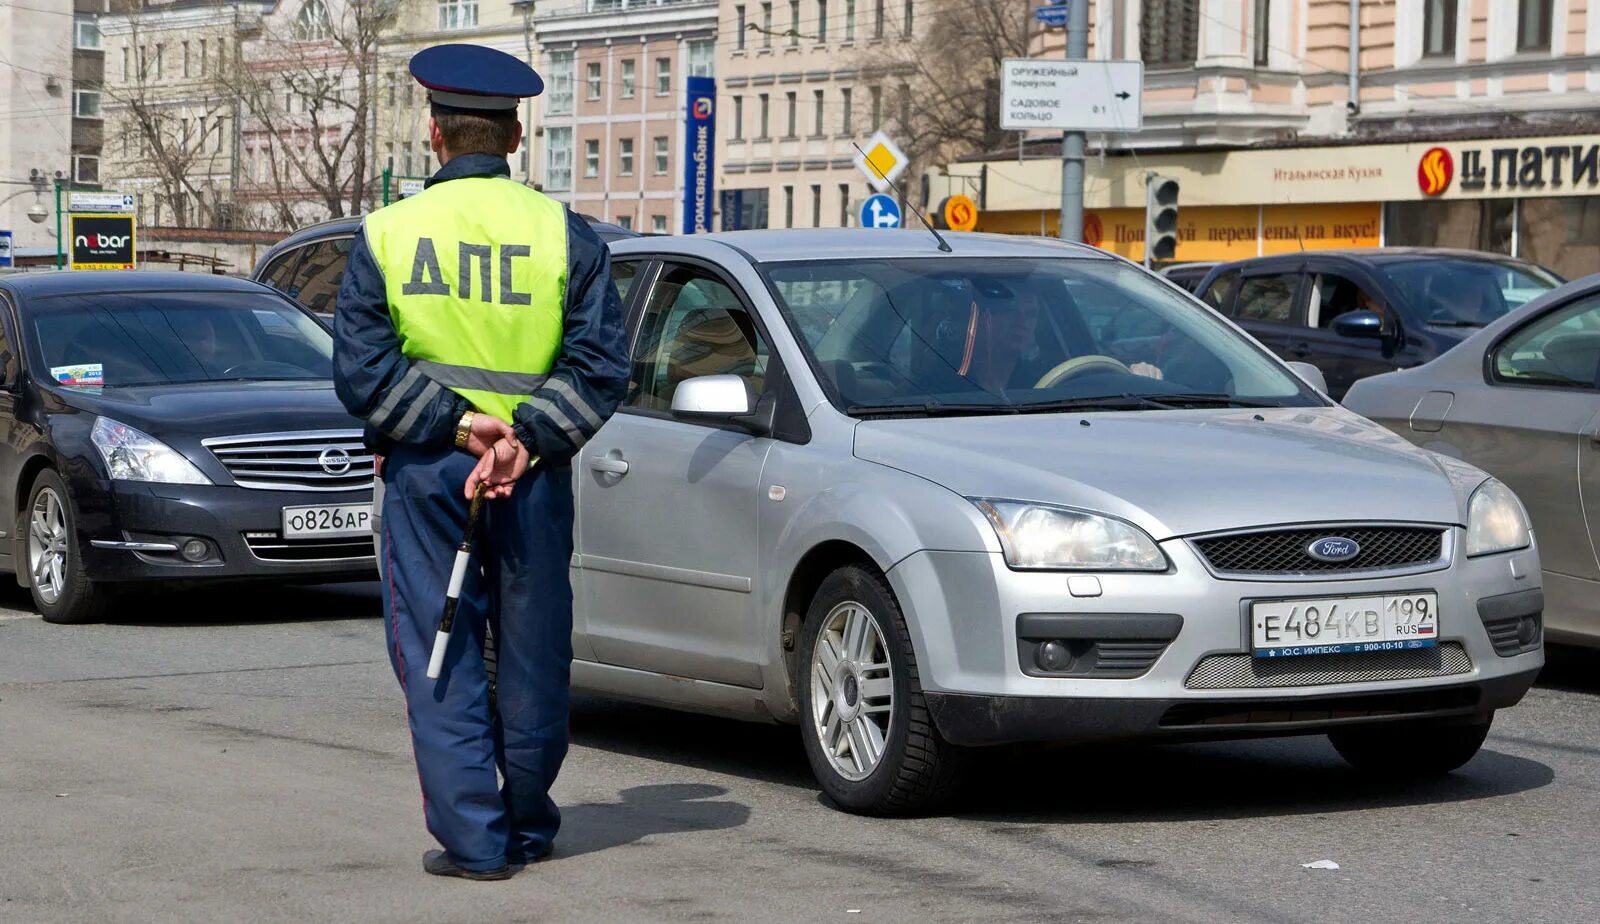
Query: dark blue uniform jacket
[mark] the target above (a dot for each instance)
(368, 367)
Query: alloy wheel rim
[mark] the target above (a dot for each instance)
(852, 691)
(47, 545)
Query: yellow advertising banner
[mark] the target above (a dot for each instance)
(1214, 233)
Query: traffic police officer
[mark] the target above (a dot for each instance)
(478, 333)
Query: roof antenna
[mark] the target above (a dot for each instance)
(944, 246)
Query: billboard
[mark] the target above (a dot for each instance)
(101, 241)
(699, 167)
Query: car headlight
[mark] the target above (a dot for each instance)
(1037, 537)
(132, 455)
(1495, 521)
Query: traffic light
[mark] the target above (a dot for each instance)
(1160, 218)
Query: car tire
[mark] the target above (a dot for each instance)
(60, 586)
(880, 754)
(1411, 750)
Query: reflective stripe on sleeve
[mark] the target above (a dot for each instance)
(414, 412)
(391, 401)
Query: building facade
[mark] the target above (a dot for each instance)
(611, 136)
(1463, 123)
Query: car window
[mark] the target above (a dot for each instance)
(1454, 292)
(623, 273)
(315, 283)
(1333, 295)
(694, 325)
(1561, 349)
(1266, 298)
(1216, 294)
(277, 272)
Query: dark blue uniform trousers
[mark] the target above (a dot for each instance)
(524, 545)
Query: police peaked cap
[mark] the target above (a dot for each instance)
(473, 78)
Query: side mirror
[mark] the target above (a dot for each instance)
(1311, 375)
(1361, 325)
(713, 398)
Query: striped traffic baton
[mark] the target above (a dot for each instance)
(458, 574)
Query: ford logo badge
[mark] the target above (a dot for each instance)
(1333, 549)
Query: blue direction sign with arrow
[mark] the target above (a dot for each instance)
(1054, 16)
(880, 211)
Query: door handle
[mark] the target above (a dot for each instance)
(610, 465)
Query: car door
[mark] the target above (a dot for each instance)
(1268, 302)
(667, 507)
(1333, 290)
(10, 457)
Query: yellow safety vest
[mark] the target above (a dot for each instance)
(476, 274)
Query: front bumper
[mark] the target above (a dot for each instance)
(1182, 667)
(119, 521)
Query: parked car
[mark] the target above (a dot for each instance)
(918, 501)
(308, 265)
(1355, 313)
(1521, 399)
(164, 428)
(1188, 275)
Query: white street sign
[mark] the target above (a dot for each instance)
(81, 201)
(882, 161)
(1084, 96)
(409, 188)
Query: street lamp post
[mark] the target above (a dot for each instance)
(526, 8)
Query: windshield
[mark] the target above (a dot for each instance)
(1468, 293)
(1018, 334)
(169, 338)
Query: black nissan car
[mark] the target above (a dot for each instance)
(171, 427)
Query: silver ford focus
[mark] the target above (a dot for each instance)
(919, 501)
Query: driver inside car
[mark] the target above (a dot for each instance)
(1002, 349)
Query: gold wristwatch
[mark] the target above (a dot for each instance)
(464, 429)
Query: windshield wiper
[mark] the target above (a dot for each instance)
(928, 409)
(1456, 323)
(1138, 402)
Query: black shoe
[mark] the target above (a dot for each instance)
(437, 863)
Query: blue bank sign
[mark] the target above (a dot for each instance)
(699, 165)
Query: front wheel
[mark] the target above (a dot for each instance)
(59, 584)
(868, 735)
(1411, 750)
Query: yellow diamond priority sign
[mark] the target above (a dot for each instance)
(881, 160)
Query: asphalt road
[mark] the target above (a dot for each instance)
(243, 757)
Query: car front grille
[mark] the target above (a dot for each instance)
(1284, 551)
(1247, 672)
(272, 547)
(313, 460)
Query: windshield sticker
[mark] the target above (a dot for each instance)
(79, 374)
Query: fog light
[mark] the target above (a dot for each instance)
(1527, 630)
(195, 550)
(1053, 656)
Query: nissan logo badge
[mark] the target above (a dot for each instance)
(336, 462)
(1333, 549)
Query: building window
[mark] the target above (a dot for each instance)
(1439, 27)
(406, 164)
(738, 118)
(766, 25)
(593, 79)
(560, 74)
(124, 62)
(85, 34)
(816, 129)
(558, 159)
(876, 94)
(625, 157)
(1533, 25)
(86, 168)
(661, 155)
(849, 20)
(203, 62)
(658, 224)
(844, 205)
(845, 125)
(663, 76)
(816, 206)
(905, 107)
(311, 24)
(794, 23)
(766, 110)
(790, 125)
(1261, 30)
(186, 69)
(625, 222)
(457, 14)
(628, 79)
(702, 58)
(222, 133)
(788, 206)
(591, 157)
(1169, 35)
(738, 39)
(877, 20)
(161, 54)
(86, 104)
(908, 16)
(822, 20)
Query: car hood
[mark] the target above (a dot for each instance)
(218, 408)
(1178, 473)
